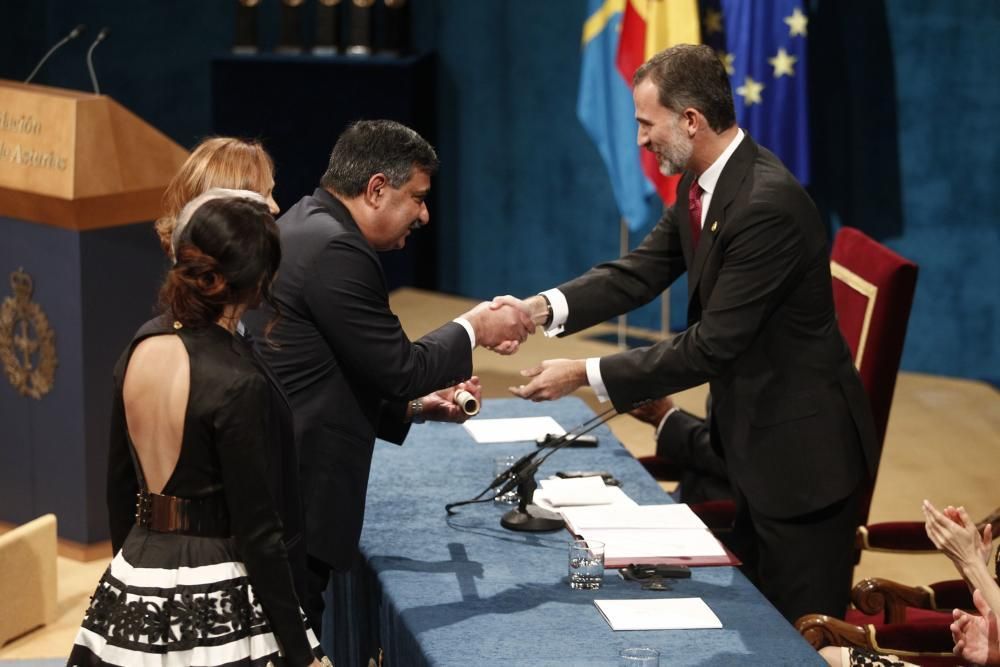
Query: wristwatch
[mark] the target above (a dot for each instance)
(548, 312)
(417, 411)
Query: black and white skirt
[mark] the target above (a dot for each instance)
(177, 600)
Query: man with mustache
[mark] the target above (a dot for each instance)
(789, 410)
(350, 372)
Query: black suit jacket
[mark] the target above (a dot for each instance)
(789, 408)
(346, 364)
(685, 440)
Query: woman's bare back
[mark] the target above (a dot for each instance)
(156, 388)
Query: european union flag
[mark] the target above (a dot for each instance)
(604, 107)
(766, 59)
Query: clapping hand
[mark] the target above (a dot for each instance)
(955, 534)
(976, 637)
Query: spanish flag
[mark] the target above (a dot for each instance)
(648, 27)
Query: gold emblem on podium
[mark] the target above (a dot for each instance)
(27, 342)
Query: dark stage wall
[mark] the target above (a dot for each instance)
(522, 199)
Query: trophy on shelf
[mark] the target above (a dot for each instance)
(395, 27)
(246, 27)
(327, 27)
(359, 27)
(290, 40)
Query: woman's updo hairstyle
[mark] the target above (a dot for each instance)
(227, 254)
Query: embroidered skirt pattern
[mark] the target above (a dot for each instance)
(169, 599)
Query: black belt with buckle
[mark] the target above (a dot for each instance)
(205, 517)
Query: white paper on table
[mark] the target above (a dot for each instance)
(576, 491)
(512, 430)
(658, 614)
(673, 515)
(645, 543)
(614, 496)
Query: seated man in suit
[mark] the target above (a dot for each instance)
(685, 441)
(350, 371)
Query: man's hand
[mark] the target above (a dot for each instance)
(534, 307)
(501, 328)
(440, 406)
(653, 411)
(553, 379)
(977, 639)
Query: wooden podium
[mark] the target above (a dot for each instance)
(81, 179)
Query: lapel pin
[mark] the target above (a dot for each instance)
(715, 226)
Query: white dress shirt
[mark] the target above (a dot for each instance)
(560, 309)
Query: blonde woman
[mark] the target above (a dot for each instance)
(218, 162)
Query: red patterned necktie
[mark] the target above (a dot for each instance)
(694, 208)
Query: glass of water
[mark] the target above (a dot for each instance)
(639, 657)
(586, 564)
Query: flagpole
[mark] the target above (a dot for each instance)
(665, 313)
(623, 250)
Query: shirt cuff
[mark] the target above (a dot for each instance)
(560, 312)
(659, 427)
(595, 380)
(468, 329)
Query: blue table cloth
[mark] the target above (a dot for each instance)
(462, 590)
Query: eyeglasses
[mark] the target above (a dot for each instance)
(652, 576)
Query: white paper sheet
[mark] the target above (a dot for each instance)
(675, 515)
(576, 491)
(658, 614)
(638, 544)
(512, 430)
(612, 495)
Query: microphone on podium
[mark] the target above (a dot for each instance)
(521, 475)
(90, 57)
(73, 34)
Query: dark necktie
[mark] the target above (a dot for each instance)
(694, 208)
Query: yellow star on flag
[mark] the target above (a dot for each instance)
(727, 61)
(713, 21)
(750, 91)
(797, 23)
(783, 64)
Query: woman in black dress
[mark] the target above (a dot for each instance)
(202, 577)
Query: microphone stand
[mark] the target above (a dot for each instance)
(522, 476)
(73, 34)
(90, 58)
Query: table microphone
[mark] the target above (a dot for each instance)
(90, 57)
(512, 476)
(73, 34)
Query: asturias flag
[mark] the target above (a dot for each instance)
(604, 107)
(766, 60)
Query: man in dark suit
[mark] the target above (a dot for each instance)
(350, 372)
(684, 440)
(789, 409)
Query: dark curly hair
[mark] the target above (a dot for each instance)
(227, 255)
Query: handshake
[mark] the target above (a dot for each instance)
(505, 322)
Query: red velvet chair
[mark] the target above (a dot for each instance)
(872, 292)
(925, 645)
